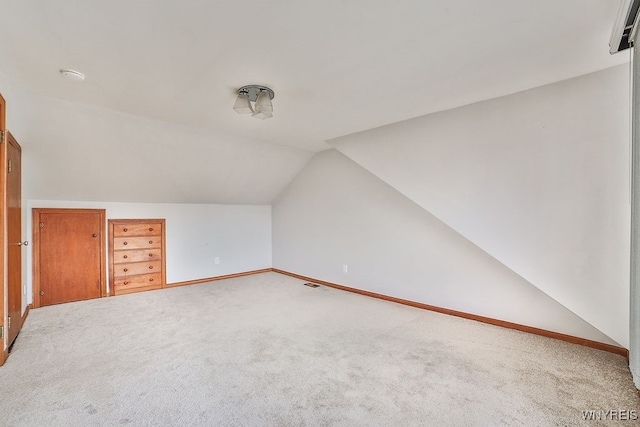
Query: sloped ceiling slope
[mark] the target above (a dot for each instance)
(79, 152)
(539, 180)
(337, 66)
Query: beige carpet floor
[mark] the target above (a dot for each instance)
(265, 350)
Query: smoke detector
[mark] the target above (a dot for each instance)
(72, 75)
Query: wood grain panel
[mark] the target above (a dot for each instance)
(3, 287)
(134, 268)
(15, 248)
(151, 281)
(68, 252)
(213, 279)
(140, 229)
(137, 255)
(26, 314)
(120, 243)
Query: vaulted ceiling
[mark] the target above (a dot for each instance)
(337, 67)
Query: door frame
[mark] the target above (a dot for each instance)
(3, 240)
(36, 247)
(9, 142)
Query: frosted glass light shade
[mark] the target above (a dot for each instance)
(242, 105)
(263, 103)
(262, 115)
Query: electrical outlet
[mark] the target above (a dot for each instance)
(216, 260)
(345, 268)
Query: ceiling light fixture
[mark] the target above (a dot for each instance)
(255, 100)
(72, 75)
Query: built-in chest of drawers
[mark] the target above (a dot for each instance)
(136, 255)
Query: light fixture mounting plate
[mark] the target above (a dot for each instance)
(252, 91)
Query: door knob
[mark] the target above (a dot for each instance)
(25, 243)
(41, 293)
(94, 235)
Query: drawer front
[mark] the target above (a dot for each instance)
(150, 281)
(137, 229)
(137, 242)
(135, 268)
(137, 255)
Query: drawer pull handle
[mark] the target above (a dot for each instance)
(126, 283)
(94, 235)
(125, 230)
(150, 229)
(150, 241)
(126, 269)
(124, 243)
(151, 267)
(126, 256)
(151, 280)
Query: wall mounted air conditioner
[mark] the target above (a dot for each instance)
(624, 31)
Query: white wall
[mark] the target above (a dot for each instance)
(240, 235)
(538, 180)
(4, 87)
(337, 213)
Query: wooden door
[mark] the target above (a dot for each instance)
(14, 244)
(69, 255)
(3, 293)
